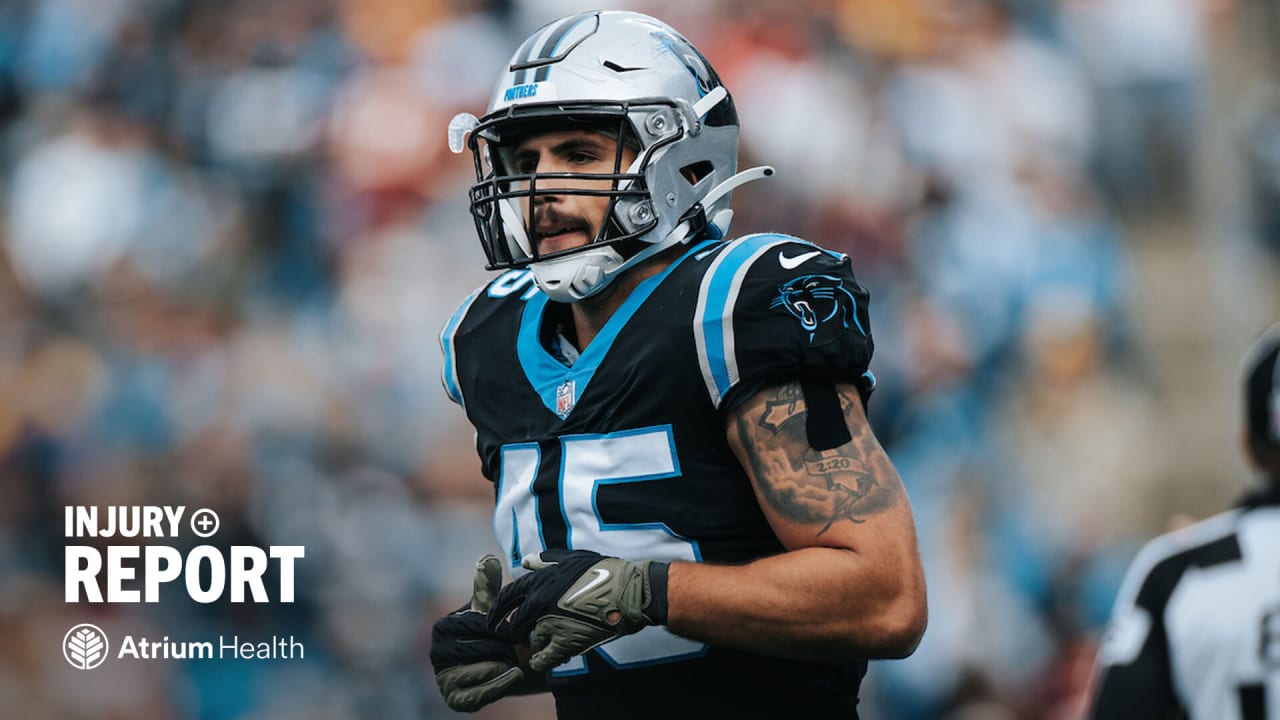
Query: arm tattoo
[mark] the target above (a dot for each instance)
(850, 482)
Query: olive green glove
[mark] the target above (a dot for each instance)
(474, 667)
(575, 600)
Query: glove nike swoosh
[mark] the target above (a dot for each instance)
(602, 576)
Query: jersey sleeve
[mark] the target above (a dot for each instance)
(1135, 678)
(773, 308)
(449, 348)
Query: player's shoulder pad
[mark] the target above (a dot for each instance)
(772, 305)
(503, 292)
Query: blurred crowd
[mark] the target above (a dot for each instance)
(231, 230)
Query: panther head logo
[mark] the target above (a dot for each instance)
(821, 303)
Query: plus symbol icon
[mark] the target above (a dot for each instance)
(204, 522)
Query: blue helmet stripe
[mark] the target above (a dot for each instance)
(525, 53)
(553, 43)
(552, 35)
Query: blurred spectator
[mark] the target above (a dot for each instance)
(1147, 60)
(1261, 148)
(1072, 425)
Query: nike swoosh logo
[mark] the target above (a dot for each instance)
(791, 263)
(602, 575)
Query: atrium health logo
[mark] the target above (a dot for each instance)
(85, 646)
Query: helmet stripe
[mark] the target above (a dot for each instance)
(553, 43)
(524, 54)
(528, 56)
(550, 37)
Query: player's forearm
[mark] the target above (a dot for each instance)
(812, 603)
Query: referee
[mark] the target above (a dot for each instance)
(1196, 628)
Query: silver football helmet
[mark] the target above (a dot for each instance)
(634, 78)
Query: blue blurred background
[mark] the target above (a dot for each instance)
(230, 231)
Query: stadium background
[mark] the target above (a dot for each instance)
(230, 231)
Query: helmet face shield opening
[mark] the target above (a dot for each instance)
(504, 198)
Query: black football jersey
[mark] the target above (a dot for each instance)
(623, 452)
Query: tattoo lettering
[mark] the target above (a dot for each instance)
(827, 466)
(850, 482)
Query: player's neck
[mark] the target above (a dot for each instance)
(591, 314)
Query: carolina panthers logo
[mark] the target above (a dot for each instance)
(821, 304)
(692, 60)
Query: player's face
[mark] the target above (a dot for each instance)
(568, 220)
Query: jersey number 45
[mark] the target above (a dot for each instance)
(586, 463)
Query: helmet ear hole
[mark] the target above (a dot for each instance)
(697, 172)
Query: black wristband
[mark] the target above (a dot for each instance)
(655, 606)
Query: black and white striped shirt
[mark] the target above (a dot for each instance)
(1196, 627)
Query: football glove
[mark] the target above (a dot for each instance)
(575, 600)
(473, 668)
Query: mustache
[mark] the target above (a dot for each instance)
(547, 217)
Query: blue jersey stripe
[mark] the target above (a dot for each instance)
(449, 375)
(713, 318)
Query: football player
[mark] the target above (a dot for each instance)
(697, 517)
(1195, 632)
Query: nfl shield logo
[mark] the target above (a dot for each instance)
(565, 399)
